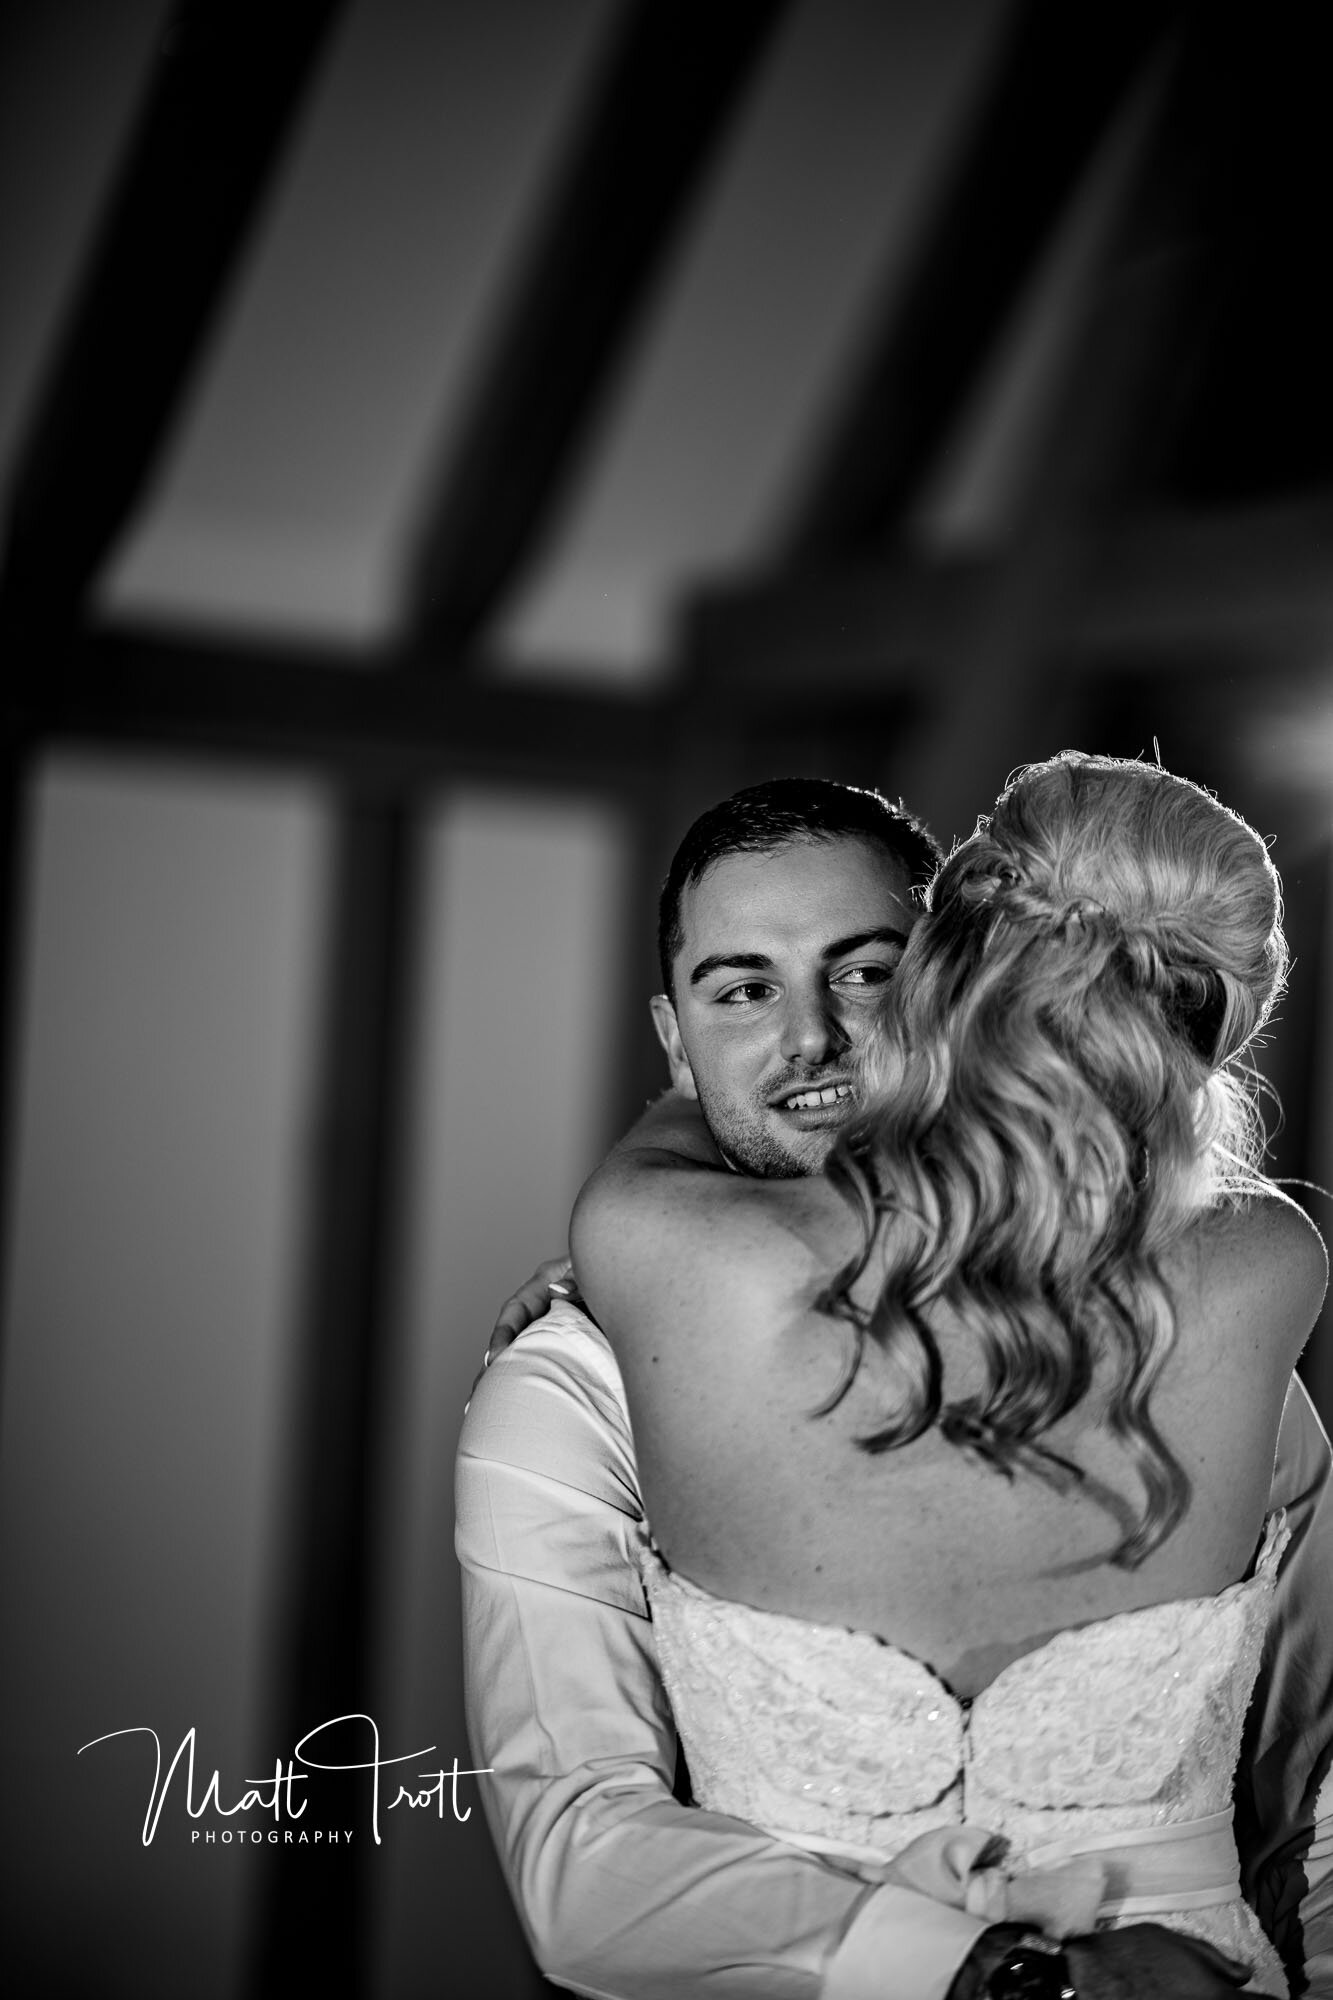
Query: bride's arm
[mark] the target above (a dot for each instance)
(672, 1129)
(672, 1125)
(664, 1235)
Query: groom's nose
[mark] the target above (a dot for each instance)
(811, 1030)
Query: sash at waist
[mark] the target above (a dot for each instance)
(1188, 1865)
(1066, 1886)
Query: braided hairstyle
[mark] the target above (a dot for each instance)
(1052, 1094)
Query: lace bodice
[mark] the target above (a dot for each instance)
(839, 1740)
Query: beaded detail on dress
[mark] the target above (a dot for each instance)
(841, 1739)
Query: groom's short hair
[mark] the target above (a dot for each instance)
(762, 817)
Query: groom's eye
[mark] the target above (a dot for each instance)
(748, 994)
(863, 978)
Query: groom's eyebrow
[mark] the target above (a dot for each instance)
(882, 934)
(731, 961)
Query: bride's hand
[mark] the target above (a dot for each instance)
(554, 1278)
(1149, 1962)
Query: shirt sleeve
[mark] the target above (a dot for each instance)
(625, 1892)
(1284, 1790)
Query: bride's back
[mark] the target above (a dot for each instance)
(961, 1565)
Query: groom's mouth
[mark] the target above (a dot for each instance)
(816, 1106)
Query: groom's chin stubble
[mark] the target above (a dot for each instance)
(763, 1156)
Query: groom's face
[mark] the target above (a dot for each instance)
(785, 956)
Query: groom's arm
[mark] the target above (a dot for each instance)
(623, 1891)
(1284, 1790)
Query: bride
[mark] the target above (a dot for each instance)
(957, 1455)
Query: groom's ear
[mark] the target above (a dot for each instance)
(668, 1034)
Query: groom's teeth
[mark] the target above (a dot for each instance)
(810, 1100)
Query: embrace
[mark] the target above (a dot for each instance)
(974, 1536)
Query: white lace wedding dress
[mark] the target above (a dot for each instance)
(1116, 1740)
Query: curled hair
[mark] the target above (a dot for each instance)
(1054, 1090)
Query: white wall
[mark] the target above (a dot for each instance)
(166, 1036)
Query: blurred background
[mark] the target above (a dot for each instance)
(445, 444)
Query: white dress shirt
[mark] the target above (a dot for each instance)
(628, 1893)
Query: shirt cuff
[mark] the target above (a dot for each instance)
(900, 1946)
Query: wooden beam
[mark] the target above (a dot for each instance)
(314, 1929)
(659, 109)
(1061, 75)
(394, 721)
(228, 78)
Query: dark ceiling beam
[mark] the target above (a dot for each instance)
(1060, 76)
(392, 725)
(659, 108)
(227, 80)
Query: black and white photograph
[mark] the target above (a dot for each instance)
(666, 1000)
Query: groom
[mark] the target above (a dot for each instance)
(624, 1889)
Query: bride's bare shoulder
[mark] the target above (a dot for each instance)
(1262, 1257)
(1267, 1224)
(646, 1218)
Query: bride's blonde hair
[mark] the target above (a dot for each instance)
(1054, 1089)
